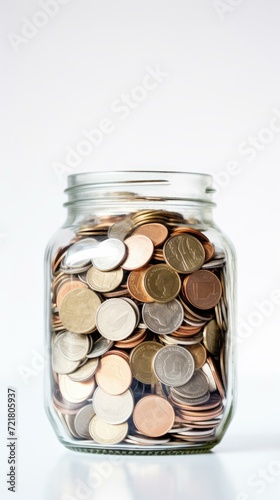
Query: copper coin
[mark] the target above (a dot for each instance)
(162, 283)
(216, 377)
(114, 374)
(209, 250)
(139, 252)
(203, 289)
(135, 285)
(184, 253)
(155, 231)
(153, 416)
(191, 230)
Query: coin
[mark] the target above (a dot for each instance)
(82, 420)
(78, 310)
(208, 372)
(66, 287)
(102, 281)
(109, 255)
(86, 371)
(139, 252)
(155, 231)
(116, 319)
(212, 338)
(216, 376)
(104, 433)
(75, 392)
(73, 346)
(80, 254)
(141, 361)
(184, 402)
(196, 387)
(163, 318)
(135, 285)
(101, 346)
(113, 409)
(199, 355)
(113, 375)
(184, 253)
(203, 289)
(173, 365)
(153, 416)
(60, 364)
(162, 283)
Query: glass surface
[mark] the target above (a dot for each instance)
(140, 316)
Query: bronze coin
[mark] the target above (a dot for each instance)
(139, 252)
(184, 253)
(203, 289)
(153, 416)
(199, 355)
(155, 231)
(135, 285)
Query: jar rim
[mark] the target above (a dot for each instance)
(126, 186)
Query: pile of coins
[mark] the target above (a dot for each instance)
(139, 322)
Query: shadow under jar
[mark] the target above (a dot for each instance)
(140, 316)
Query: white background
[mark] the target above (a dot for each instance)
(221, 87)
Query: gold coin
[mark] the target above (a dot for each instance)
(78, 310)
(162, 283)
(199, 355)
(184, 253)
(104, 433)
(212, 338)
(141, 362)
(104, 281)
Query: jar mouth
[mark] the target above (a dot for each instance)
(131, 185)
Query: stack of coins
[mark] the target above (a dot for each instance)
(139, 329)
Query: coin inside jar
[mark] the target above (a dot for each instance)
(162, 283)
(163, 318)
(184, 253)
(203, 289)
(78, 310)
(153, 416)
(173, 365)
(140, 250)
(116, 319)
(113, 375)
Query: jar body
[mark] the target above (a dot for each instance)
(140, 316)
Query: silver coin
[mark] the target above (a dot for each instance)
(73, 270)
(110, 254)
(83, 277)
(73, 346)
(101, 346)
(174, 365)
(69, 419)
(113, 409)
(61, 364)
(190, 401)
(115, 319)
(104, 281)
(82, 420)
(163, 318)
(208, 372)
(80, 253)
(196, 387)
(86, 371)
(136, 309)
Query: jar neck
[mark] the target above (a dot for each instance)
(114, 193)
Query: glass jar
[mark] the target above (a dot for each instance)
(140, 316)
